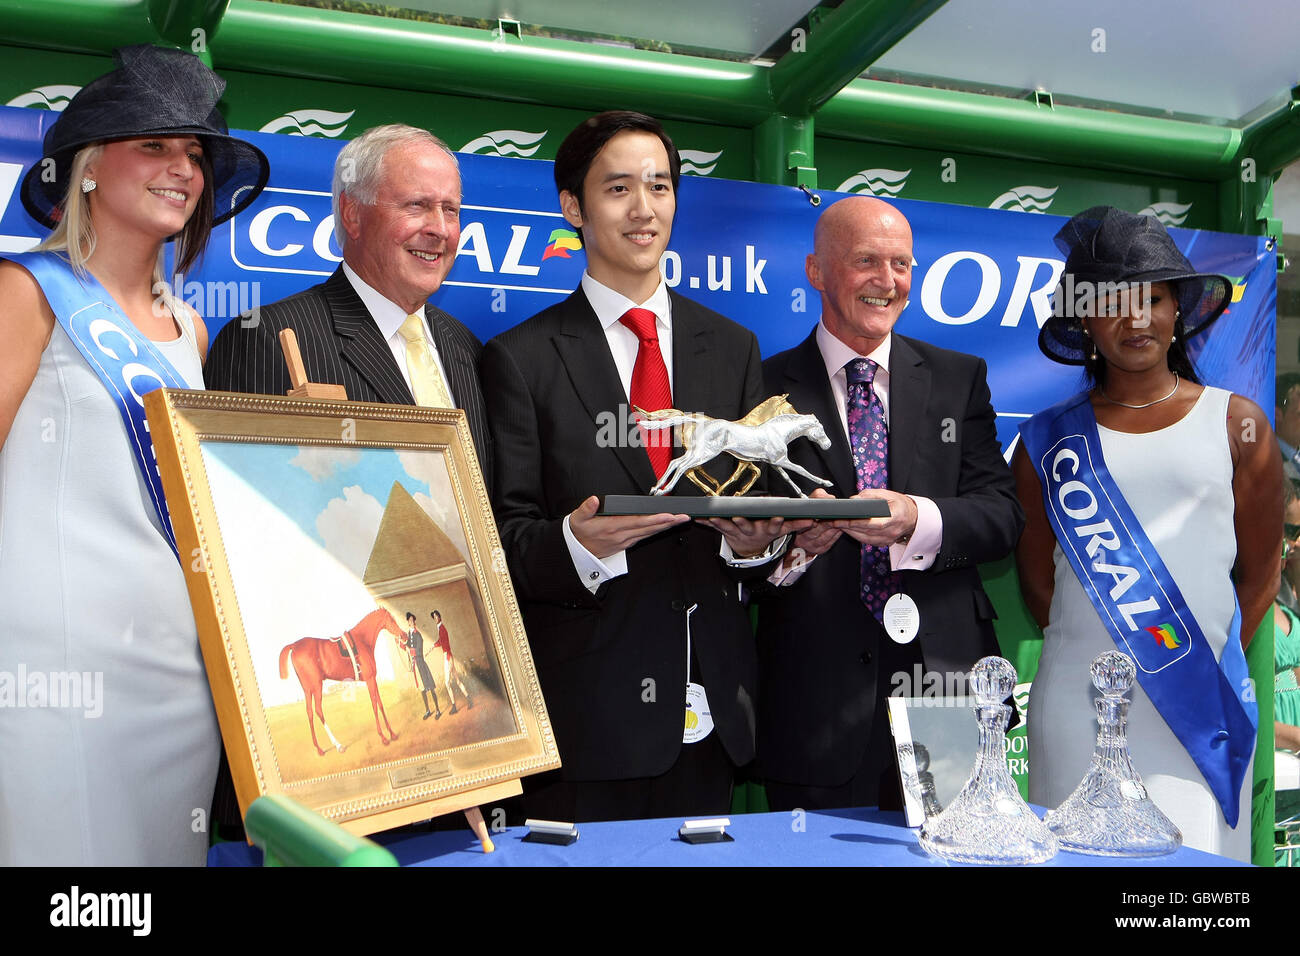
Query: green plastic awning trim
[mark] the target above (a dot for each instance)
(288, 40)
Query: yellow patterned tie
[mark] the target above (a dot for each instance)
(426, 380)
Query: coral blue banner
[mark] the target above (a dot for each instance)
(981, 285)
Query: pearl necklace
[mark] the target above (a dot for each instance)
(1146, 404)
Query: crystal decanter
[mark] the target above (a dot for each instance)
(988, 821)
(1110, 813)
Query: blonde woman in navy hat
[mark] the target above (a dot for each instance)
(108, 740)
(1153, 508)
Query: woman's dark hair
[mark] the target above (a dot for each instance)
(193, 239)
(581, 147)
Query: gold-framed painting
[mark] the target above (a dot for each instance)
(361, 636)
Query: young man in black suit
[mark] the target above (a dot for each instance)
(397, 196)
(609, 602)
(826, 662)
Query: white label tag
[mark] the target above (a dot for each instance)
(699, 719)
(902, 618)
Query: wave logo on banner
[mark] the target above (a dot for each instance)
(325, 123)
(54, 97)
(1026, 198)
(506, 142)
(696, 162)
(1169, 213)
(876, 182)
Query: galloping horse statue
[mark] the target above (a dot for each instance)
(761, 436)
(317, 659)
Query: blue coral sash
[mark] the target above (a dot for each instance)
(126, 362)
(1209, 704)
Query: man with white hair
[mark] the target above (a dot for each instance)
(369, 328)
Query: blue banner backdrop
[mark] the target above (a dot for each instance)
(981, 285)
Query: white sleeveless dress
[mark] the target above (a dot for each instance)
(1178, 481)
(115, 762)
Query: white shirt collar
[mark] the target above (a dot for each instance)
(610, 306)
(836, 354)
(388, 315)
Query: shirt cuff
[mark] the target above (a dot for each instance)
(774, 549)
(592, 571)
(783, 577)
(918, 552)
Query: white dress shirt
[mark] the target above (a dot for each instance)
(610, 307)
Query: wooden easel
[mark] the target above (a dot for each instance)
(298, 373)
(305, 389)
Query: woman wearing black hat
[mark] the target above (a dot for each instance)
(1152, 507)
(108, 745)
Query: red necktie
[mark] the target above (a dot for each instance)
(650, 390)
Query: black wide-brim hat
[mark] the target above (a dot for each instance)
(154, 91)
(1108, 245)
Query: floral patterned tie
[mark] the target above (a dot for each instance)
(869, 440)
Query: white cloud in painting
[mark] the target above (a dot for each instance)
(440, 503)
(321, 461)
(349, 526)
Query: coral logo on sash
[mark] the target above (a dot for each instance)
(561, 241)
(696, 162)
(1169, 213)
(506, 142)
(1165, 636)
(54, 97)
(875, 182)
(1025, 198)
(324, 123)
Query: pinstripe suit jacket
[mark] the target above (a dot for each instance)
(341, 345)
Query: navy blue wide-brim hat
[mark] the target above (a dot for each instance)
(154, 91)
(1108, 245)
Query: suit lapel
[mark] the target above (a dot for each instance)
(361, 345)
(692, 349)
(909, 394)
(810, 393)
(584, 352)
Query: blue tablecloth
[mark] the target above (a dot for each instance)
(860, 837)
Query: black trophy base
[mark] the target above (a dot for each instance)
(755, 507)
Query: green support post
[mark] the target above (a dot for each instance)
(188, 24)
(842, 43)
(783, 151)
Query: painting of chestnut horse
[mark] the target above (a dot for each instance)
(316, 660)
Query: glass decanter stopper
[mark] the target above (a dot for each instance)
(1109, 813)
(988, 821)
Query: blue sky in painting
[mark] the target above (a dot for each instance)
(302, 479)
